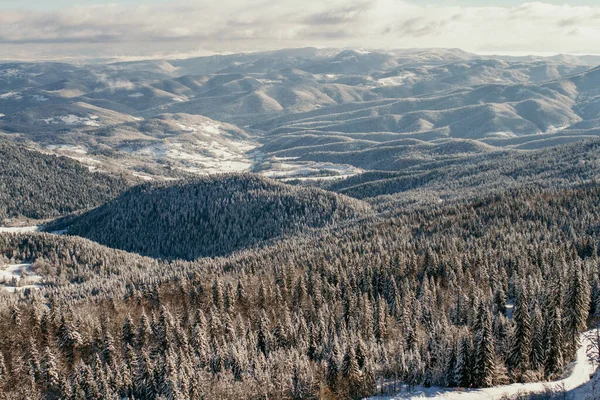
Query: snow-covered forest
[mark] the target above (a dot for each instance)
(300, 224)
(465, 295)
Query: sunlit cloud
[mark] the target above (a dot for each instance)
(233, 25)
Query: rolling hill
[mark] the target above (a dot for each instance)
(210, 216)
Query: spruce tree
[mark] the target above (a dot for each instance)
(576, 309)
(333, 368)
(484, 353)
(463, 372)
(518, 358)
(554, 360)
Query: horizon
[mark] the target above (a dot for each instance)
(200, 54)
(36, 30)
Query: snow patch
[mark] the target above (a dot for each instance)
(67, 147)
(136, 95)
(11, 96)
(71, 119)
(269, 81)
(285, 169)
(13, 276)
(19, 229)
(200, 156)
(396, 80)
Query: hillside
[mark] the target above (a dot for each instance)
(408, 297)
(39, 186)
(210, 216)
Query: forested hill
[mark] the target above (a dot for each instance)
(39, 186)
(422, 299)
(211, 216)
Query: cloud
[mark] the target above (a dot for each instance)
(238, 25)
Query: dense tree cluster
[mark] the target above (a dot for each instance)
(39, 186)
(471, 295)
(211, 216)
(457, 179)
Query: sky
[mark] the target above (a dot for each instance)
(134, 29)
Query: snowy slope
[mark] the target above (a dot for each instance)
(12, 275)
(580, 372)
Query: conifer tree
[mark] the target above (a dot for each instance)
(463, 372)
(576, 308)
(518, 358)
(554, 360)
(333, 368)
(484, 352)
(49, 372)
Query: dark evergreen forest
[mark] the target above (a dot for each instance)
(40, 186)
(420, 298)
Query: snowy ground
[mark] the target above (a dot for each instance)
(18, 277)
(19, 229)
(574, 384)
(287, 169)
(205, 148)
(74, 120)
(396, 80)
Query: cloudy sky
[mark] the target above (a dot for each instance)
(42, 29)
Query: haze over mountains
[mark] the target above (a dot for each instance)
(299, 112)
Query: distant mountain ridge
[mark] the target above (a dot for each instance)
(247, 112)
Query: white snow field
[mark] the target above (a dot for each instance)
(19, 229)
(580, 372)
(11, 275)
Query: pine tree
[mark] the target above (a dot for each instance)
(380, 320)
(463, 372)
(576, 309)
(144, 331)
(144, 377)
(351, 374)
(554, 360)
(333, 368)
(536, 359)
(128, 332)
(49, 371)
(484, 352)
(451, 360)
(500, 301)
(263, 335)
(518, 358)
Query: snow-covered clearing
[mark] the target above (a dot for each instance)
(580, 372)
(11, 95)
(18, 277)
(19, 229)
(396, 80)
(209, 153)
(73, 120)
(284, 169)
(68, 147)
